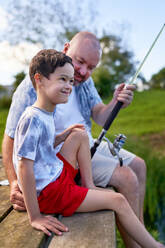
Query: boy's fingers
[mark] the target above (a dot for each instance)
(45, 231)
(57, 224)
(53, 228)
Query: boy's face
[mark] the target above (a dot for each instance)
(58, 87)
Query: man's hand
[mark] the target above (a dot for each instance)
(47, 224)
(62, 136)
(124, 95)
(16, 197)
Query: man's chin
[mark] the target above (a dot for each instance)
(76, 82)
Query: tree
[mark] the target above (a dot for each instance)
(18, 79)
(158, 80)
(116, 65)
(46, 22)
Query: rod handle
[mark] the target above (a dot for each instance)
(93, 149)
(112, 116)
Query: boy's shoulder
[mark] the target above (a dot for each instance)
(38, 116)
(31, 117)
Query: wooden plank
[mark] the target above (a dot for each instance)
(4, 200)
(16, 232)
(94, 230)
(2, 171)
(4, 194)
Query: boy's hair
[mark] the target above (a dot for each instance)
(45, 62)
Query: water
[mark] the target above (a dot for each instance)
(160, 224)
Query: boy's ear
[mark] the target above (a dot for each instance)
(37, 78)
(66, 47)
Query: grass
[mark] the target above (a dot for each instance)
(3, 117)
(146, 115)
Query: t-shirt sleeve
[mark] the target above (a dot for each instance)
(27, 138)
(22, 98)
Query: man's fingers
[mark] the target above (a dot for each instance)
(18, 202)
(131, 87)
(16, 196)
(19, 208)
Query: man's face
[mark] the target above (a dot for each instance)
(85, 58)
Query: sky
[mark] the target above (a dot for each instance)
(142, 20)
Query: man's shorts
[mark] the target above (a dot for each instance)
(104, 163)
(62, 196)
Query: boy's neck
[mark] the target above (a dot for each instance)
(44, 106)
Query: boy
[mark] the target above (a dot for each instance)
(52, 74)
(47, 180)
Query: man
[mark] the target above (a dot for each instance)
(84, 102)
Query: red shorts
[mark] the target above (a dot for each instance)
(62, 196)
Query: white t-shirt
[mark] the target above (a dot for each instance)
(34, 140)
(68, 114)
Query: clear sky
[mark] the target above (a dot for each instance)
(142, 19)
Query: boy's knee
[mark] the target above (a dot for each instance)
(121, 203)
(80, 134)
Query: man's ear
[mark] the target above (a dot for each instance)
(66, 47)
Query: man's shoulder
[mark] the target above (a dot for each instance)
(89, 82)
(25, 86)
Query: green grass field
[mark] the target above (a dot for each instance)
(3, 117)
(146, 115)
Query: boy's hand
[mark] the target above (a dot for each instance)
(47, 224)
(16, 197)
(62, 136)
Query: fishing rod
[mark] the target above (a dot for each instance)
(120, 139)
(119, 104)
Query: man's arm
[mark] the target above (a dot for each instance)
(16, 197)
(100, 111)
(28, 185)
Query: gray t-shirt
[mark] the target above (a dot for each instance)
(34, 139)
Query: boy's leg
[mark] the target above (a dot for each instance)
(99, 199)
(76, 149)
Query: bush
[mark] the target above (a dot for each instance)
(5, 102)
(101, 77)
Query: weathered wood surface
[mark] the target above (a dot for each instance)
(94, 230)
(16, 232)
(4, 192)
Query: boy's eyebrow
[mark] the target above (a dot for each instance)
(65, 75)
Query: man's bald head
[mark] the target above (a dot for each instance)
(85, 36)
(85, 51)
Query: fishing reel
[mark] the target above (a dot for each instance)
(116, 146)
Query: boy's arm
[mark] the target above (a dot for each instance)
(38, 221)
(62, 136)
(16, 196)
